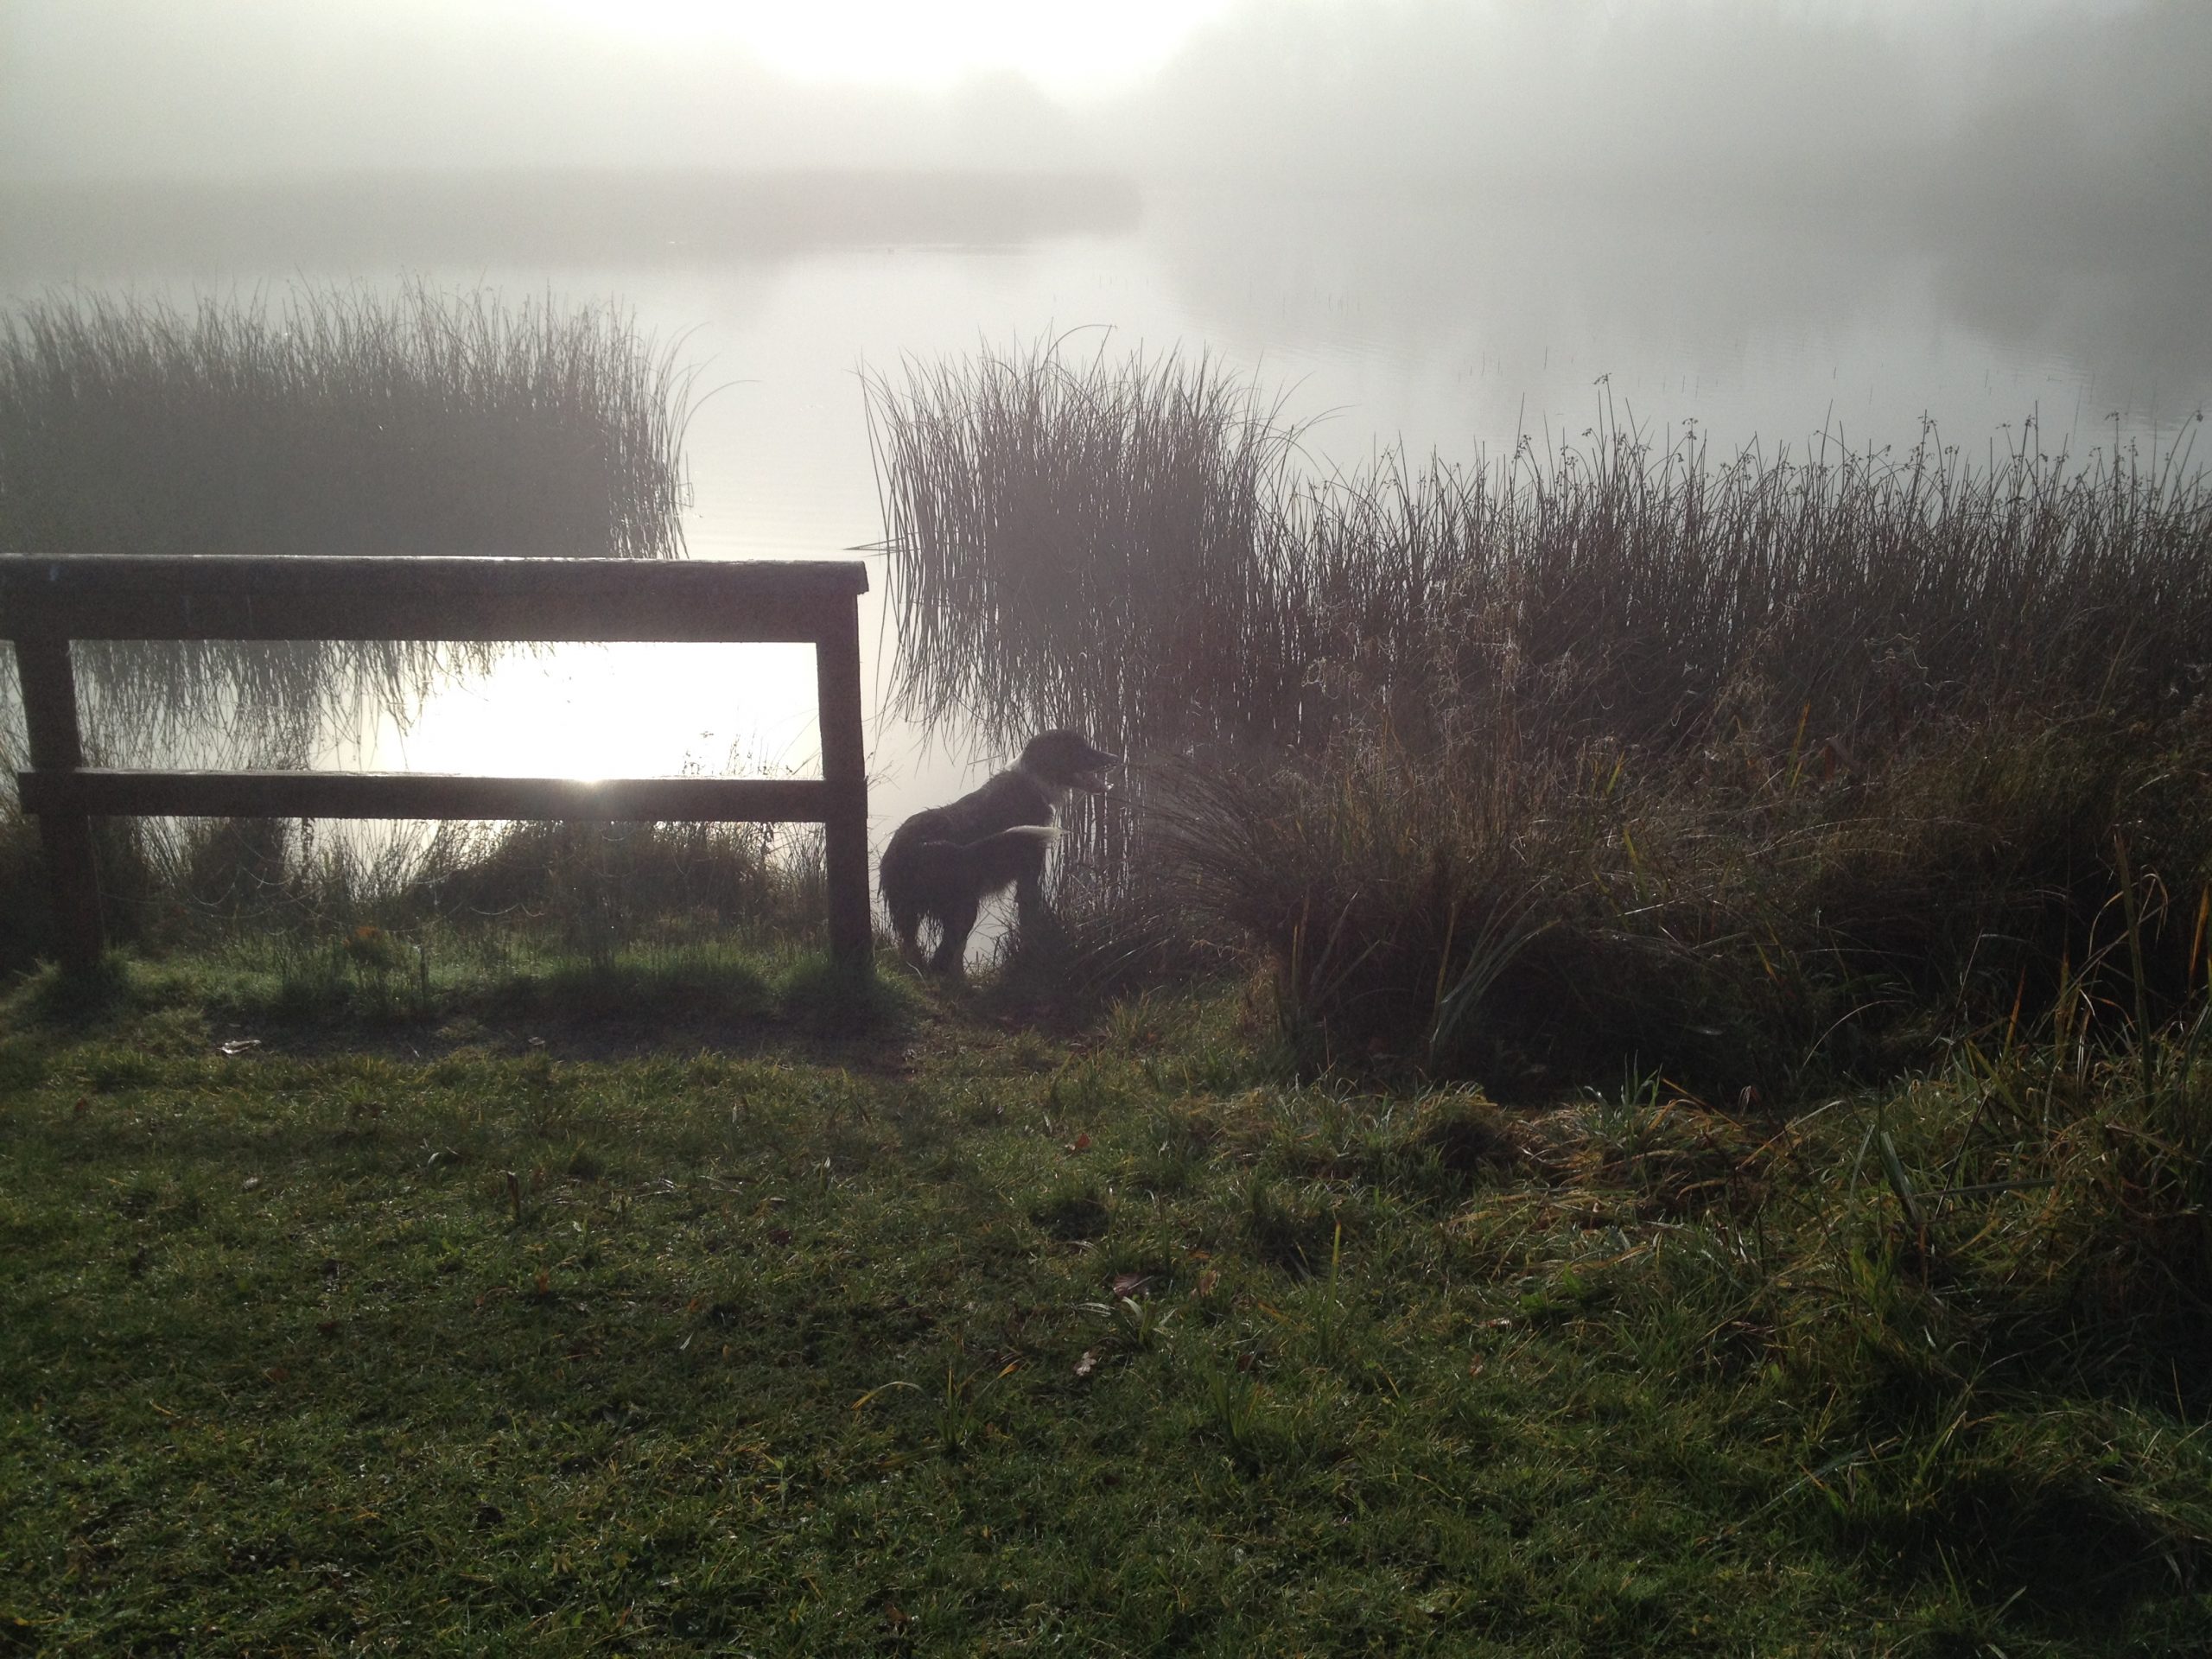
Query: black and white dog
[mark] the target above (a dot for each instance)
(945, 863)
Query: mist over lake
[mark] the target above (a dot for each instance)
(1448, 229)
(1420, 317)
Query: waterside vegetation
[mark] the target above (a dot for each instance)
(1754, 770)
(334, 421)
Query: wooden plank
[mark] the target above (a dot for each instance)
(93, 596)
(101, 792)
(844, 767)
(73, 869)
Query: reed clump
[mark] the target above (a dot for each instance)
(337, 422)
(1595, 756)
(1098, 519)
(334, 422)
(1538, 925)
(1131, 544)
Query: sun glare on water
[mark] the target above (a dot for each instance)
(742, 710)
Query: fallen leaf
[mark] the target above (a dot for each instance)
(1207, 1282)
(82, 1106)
(1126, 1285)
(1082, 1143)
(327, 1327)
(544, 1282)
(276, 1373)
(779, 1234)
(1475, 1365)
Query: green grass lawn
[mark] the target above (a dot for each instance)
(812, 1321)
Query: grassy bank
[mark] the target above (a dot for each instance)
(1759, 770)
(843, 1327)
(274, 891)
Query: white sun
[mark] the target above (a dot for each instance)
(1064, 45)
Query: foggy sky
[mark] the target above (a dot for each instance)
(2002, 107)
(207, 88)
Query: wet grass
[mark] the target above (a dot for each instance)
(954, 1336)
(271, 888)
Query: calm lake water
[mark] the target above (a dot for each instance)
(1412, 319)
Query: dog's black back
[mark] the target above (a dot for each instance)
(944, 863)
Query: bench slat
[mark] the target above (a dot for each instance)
(99, 791)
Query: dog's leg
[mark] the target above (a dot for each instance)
(906, 923)
(952, 958)
(1029, 890)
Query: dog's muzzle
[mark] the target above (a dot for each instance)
(1093, 775)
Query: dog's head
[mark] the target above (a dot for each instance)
(1066, 759)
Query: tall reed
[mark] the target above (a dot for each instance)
(1076, 537)
(331, 422)
(334, 422)
(1127, 545)
(339, 420)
